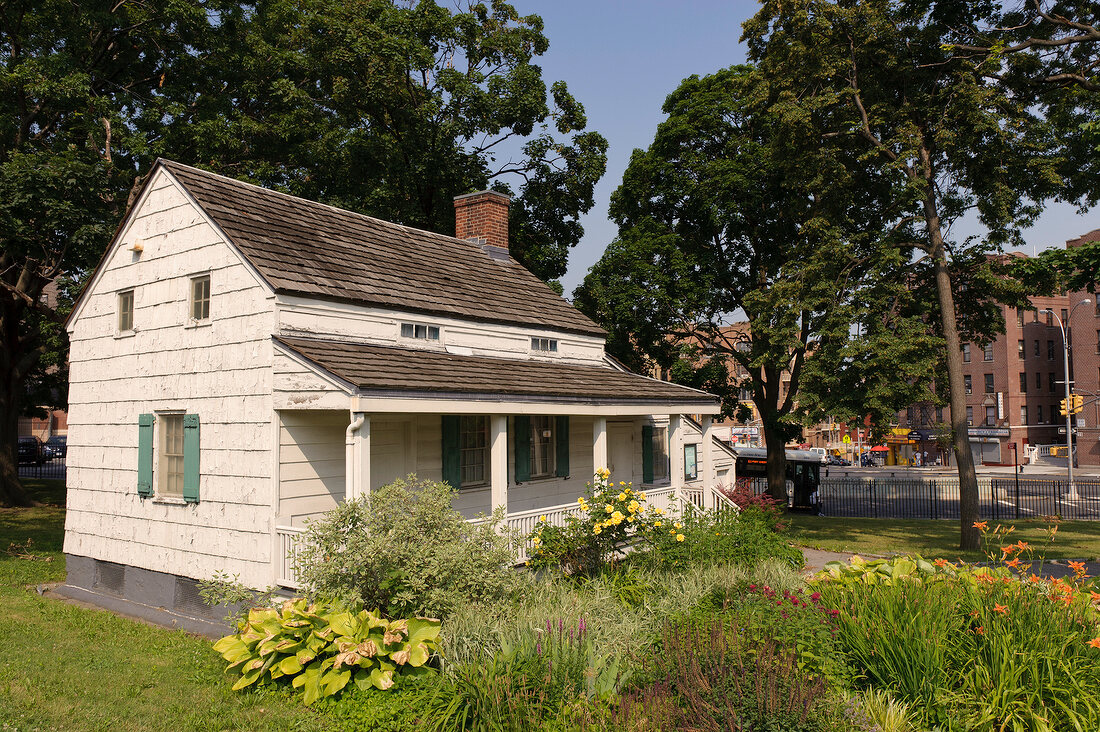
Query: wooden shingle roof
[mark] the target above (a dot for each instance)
(310, 249)
(386, 369)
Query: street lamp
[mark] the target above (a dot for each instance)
(1072, 494)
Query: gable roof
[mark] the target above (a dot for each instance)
(393, 370)
(314, 250)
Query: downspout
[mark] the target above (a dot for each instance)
(349, 455)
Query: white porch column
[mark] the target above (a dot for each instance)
(498, 461)
(676, 451)
(599, 443)
(357, 463)
(706, 458)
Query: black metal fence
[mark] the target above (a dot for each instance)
(999, 499)
(49, 470)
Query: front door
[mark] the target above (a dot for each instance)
(620, 452)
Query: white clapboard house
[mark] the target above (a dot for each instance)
(243, 360)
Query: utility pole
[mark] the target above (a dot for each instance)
(1072, 493)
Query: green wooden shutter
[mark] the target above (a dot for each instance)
(191, 458)
(145, 455)
(561, 445)
(647, 453)
(523, 449)
(452, 450)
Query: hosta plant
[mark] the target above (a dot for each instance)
(322, 648)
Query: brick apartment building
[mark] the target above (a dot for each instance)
(1014, 385)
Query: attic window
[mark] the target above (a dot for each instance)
(420, 332)
(544, 345)
(126, 311)
(200, 298)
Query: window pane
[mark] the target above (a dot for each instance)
(406, 330)
(474, 444)
(200, 298)
(126, 311)
(542, 447)
(171, 454)
(691, 470)
(660, 453)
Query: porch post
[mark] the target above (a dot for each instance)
(498, 461)
(599, 443)
(676, 452)
(707, 459)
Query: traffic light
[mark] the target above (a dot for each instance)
(1062, 408)
(1078, 403)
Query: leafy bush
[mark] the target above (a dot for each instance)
(406, 551)
(772, 509)
(710, 537)
(321, 648)
(610, 517)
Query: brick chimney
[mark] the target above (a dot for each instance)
(482, 217)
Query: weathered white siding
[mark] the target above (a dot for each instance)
(296, 386)
(311, 464)
(220, 371)
(313, 318)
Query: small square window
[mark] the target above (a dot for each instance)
(126, 311)
(544, 345)
(200, 298)
(420, 332)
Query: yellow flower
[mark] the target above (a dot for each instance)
(657, 524)
(542, 518)
(609, 508)
(660, 512)
(597, 529)
(672, 533)
(679, 537)
(634, 506)
(622, 482)
(581, 500)
(536, 541)
(622, 496)
(641, 496)
(678, 525)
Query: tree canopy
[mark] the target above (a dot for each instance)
(737, 208)
(383, 107)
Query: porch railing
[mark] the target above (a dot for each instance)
(286, 551)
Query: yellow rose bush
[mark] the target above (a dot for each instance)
(610, 516)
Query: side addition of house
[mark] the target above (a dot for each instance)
(244, 360)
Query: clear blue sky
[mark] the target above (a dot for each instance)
(621, 59)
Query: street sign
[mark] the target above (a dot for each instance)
(1062, 430)
(847, 439)
(913, 435)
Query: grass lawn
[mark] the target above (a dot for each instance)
(934, 539)
(72, 668)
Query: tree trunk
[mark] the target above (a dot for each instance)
(969, 538)
(12, 492)
(777, 461)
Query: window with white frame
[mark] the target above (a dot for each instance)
(200, 299)
(170, 455)
(660, 453)
(420, 331)
(126, 311)
(543, 462)
(544, 345)
(691, 462)
(474, 443)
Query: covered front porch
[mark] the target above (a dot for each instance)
(530, 453)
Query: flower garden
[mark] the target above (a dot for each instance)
(632, 618)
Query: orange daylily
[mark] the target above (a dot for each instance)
(980, 630)
(1095, 642)
(1011, 548)
(1077, 567)
(1014, 562)
(1023, 545)
(940, 562)
(1000, 609)
(1095, 596)
(981, 525)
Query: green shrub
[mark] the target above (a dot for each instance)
(711, 537)
(320, 649)
(406, 551)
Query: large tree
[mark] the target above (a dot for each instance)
(384, 107)
(949, 129)
(734, 209)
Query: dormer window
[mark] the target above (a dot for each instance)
(544, 345)
(420, 332)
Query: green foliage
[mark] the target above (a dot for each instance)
(322, 648)
(970, 647)
(711, 537)
(228, 591)
(611, 517)
(406, 551)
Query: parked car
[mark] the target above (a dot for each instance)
(837, 460)
(30, 450)
(55, 447)
(821, 453)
